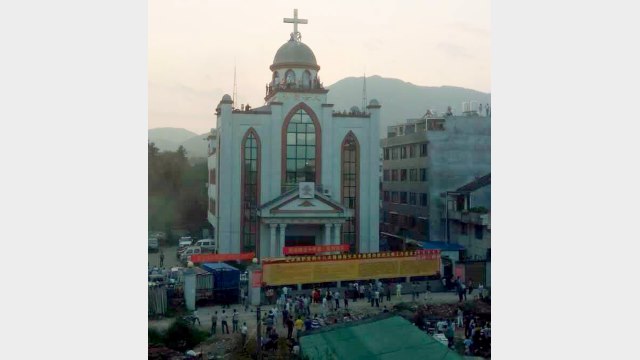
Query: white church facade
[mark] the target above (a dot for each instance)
(294, 172)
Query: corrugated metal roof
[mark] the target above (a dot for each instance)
(442, 246)
(476, 184)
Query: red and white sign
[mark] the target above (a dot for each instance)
(427, 254)
(204, 258)
(256, 279)
(314, 249)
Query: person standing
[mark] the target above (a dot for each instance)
(459, 318)
(398, 290)
(161, 258)
(299, 325)
(234, 321)
(336, 296)
(289, 327)
(224, 324)
(388, 292)
(346, 300)
(214, 323)
(376, 297)
(324, 306)
(285, 315)
(243, 333)
(196, 317)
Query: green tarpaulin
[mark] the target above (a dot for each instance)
(386, 338)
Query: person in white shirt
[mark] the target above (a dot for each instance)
(243, 332)
(324, 306)
(398, 290)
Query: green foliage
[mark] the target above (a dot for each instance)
(479, 210)
(155, 337)
(182, 336)
(177, 192)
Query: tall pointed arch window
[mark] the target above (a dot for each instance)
(306, 79)
(301, 147)
(250, 178)
(290, 77)
(350, 166)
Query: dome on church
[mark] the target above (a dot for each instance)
(295, 53)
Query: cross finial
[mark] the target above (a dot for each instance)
(295, 21)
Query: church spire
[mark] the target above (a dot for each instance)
(295, 35)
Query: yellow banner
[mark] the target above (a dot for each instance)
(357, 269)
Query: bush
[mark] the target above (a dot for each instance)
(155, 337)
(183, 336)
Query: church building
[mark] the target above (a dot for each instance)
(294, 172)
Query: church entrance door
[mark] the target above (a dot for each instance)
(299, 240)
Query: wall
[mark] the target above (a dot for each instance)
(231, 130)
(457, 155)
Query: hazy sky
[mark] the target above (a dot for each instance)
(193, 45)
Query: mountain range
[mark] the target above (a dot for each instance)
(400, 100)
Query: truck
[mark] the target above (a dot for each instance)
(226, 281)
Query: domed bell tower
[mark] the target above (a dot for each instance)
(294, 67)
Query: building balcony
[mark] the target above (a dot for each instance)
(468, 217)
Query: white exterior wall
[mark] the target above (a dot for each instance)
(231, 130)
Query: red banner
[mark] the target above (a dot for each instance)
(314, 249)
(204, 258)
(256, 279)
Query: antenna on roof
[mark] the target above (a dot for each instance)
(364, 92)
(235, 84)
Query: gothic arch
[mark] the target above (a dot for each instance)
(350, 188)
(318, 137)
(250, 190)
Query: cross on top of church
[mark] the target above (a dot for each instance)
(296, 34)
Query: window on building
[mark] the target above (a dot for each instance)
(350, 169)
(212, 206)
(403, 175)
(423, 174)
(393, 218)
(463, 228)
(394, 197)
(394, 153)
(412, 198)
(250, 196)
(423, 199)
(394, 175)
(413, 174)
(423, 150)
(301, 149)
(412, 151)
(385, 216)
(386, 196)
(306, 79)
(290, 77)
(403, 152)
(385, 175)
(386, 153)
(403, 197)
(479, 232)
(460, 203)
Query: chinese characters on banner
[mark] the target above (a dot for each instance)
(427, 254)
(256, 279)
(203, 258)
(304, 250)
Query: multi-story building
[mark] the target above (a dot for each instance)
(422, 160)
(405, 198)
(294, 171)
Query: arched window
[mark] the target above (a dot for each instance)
(301, 147)
(250, 180)
(276, 78)
(290, 76)
(306, 79)
(350, 181)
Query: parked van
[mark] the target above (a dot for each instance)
(207, 245)
(191, 250)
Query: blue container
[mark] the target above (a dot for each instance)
(225, 276)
